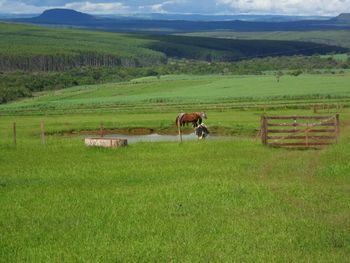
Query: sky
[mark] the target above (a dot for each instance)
(281, 7)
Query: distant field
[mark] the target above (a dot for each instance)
(337, 37)
(187, 91)
(339, 57)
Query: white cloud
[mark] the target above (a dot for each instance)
(166, 6)
(157, 8)
(98, 8)
(17, 7)
(291, 7)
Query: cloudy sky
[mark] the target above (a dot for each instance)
(289, 7)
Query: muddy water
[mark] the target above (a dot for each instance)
(154, 137)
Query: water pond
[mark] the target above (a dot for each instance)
(155, 137)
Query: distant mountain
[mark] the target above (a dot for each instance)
(201, 17)
(135, 24)
(63, 16)
(345, 17)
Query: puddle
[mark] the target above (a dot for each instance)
(155, 137)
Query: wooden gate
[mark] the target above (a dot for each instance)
(299, 131)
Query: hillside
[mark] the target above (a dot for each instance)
(343, 18)
(185, 91)
(33, 48)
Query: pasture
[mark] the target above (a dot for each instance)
(185, 92)
(231, 200)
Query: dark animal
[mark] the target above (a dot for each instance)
(195, 118)
(202, 131)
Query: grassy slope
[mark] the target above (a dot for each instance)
(17, 39)
(188, 90)
(338, 38)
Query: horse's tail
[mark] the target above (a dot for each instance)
(178, 119)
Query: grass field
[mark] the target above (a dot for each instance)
(231, 200)
(22, 39)
(188, 92)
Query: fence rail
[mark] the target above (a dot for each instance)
(308, 132)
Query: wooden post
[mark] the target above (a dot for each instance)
(14, 134)
(264, 133)
(307, 135)
(262, 129)
(337, 127)
(42, 126)
(179, 129)
(101, 130)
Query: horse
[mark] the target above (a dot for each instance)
(195, 118)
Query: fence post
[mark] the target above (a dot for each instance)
(101, 130)
(42, 127)
(179, 129)
(14, 134)
(264, 130)
(337, 127)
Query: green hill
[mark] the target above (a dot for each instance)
(34, 48)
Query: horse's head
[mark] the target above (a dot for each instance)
(203, 115)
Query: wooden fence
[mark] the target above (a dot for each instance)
(300, 131)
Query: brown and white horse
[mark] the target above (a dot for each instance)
(195, 118)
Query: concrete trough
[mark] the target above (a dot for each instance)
(106, 142)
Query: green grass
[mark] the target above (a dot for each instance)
(232, 200)
(184, 91)
(226, 201)
(24, 39)
(339, 57)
